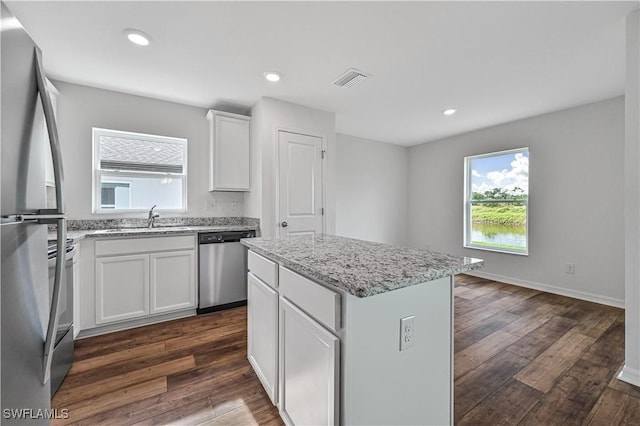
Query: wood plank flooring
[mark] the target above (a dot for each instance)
(533, 358)
(189, 372)
(521, 357)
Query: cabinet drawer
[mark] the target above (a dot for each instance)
(117, 246)
(317, 301)
(263, 268)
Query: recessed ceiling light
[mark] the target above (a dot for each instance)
(449, 111)
(137, 37)
(272, 76)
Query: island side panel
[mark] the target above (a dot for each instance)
(381, 384)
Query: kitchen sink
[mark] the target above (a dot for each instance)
(107, 231)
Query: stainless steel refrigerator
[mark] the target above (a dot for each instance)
(28, 303)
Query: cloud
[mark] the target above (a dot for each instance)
(474, 173)
(482, 188)
(509, 179)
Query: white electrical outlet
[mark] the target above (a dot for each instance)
(570, 268)
(210, 205)
(407, 332)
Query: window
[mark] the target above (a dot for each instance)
(115, 195)
(496, 201)
(133, 172)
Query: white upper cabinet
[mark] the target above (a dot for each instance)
(230, 138)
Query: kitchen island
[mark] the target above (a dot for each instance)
(345, 331)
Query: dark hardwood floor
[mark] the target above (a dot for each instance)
(521, 357)
(533, 358)
(189, 372)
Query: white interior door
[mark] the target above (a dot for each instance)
(300, 184)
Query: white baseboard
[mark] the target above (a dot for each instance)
(630, 375)
(589, 297)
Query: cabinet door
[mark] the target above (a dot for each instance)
(173, 281)
(262, 333)
(230, 151)
(122, 287)
(309, 369)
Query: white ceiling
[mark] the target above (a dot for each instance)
(494, 61)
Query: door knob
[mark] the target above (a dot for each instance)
(284, 224)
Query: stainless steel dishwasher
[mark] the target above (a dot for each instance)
(223, 270)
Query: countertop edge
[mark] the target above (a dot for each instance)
(75, 236)
(363, 292)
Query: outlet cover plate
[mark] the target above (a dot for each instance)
(407, 332)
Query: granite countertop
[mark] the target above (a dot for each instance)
(358, 267)
(107, 228)
(77, 235)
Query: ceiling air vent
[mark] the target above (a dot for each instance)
(350, 78)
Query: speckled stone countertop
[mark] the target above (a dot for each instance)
(108, 228)
(76, 236)
(360, 268)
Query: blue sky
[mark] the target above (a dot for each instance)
(501, 171)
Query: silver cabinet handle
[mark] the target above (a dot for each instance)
(284, 224)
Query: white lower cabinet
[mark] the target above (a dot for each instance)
(309, 369)
(262, 333)
(143, 277)
(122, 287)
(172, 284)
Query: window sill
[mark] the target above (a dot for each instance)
(497, 250)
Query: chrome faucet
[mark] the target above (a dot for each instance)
(152, 217)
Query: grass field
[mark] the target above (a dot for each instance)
(501, 214)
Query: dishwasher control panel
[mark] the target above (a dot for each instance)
(221, 237)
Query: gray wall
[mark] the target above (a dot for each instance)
(576, 199)
(269, 115)
(372, 181)
(80, 108)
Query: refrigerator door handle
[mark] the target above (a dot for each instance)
(52, 130)
(42, 217)
(53, 313)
